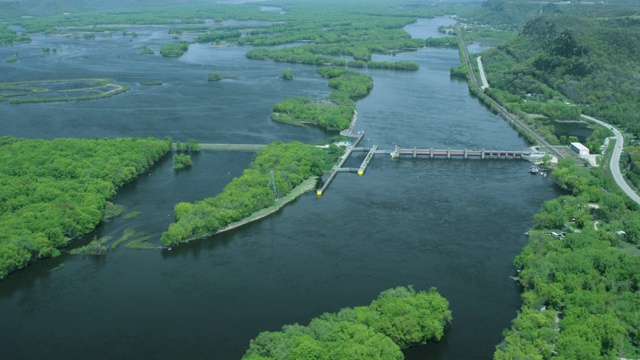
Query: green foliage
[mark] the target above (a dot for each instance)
(174, 50)
(444, 42)
(214, 77)
(12, 58)
(132, 214)
(581, 292)
(52, 191)
(287, 75)
(181, 161)
(333, 113)
(9, 37)
(398, 319)
(573, 55)
(633, 152)
(112, 210)
(292, 163)
(95, 247)
(59, 90)
(218, 36)
(145, 50)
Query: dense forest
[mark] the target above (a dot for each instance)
(398, 319)
(580, 269)
(581, 288)
(54, 191)
(276, 170)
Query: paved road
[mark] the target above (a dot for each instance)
(485, 84)
(509, 116)
(615, 160)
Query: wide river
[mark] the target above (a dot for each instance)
(451, 224)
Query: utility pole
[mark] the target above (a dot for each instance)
(272, 185)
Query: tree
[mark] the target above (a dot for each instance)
(287, 75)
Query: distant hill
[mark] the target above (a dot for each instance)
(17, 8)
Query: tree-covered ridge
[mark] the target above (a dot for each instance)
(291, 163)
(514, 14)
(398, 319)
(591, 63)
(335, 112)
(581, 298)
(52, 191)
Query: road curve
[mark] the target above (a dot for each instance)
(614, 165)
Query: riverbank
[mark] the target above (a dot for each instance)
(305, 186)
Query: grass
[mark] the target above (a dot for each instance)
(112, 210)
(95, 247)
(131, 214)
(136, 240)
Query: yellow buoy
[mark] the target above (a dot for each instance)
(319, 192)
(360, 172)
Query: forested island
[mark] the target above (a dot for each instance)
(275, 171)
(334, 113)
(399, 318)
(549, 61)
(54, 191)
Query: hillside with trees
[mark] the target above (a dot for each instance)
(571, 60)
(580, 269)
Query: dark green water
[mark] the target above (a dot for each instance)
(455, 225)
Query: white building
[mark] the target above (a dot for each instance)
(579, 148)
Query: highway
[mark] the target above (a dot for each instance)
(617, 151)
(614, 164)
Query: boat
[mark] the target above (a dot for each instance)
(533, 170)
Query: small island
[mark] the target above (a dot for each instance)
(398, 319)
(214, 77)
(174, 50)
(333, 113)
(283, 166)
(287, 75)
(61, 90)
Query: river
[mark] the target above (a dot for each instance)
(452, 224)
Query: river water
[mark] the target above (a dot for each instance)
(452, 224)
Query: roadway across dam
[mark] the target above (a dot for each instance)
(400, 153)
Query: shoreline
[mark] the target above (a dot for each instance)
(305, 186)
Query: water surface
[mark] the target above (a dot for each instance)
(452, 224)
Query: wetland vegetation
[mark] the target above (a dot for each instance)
(60, 90)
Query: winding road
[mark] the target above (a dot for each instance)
(617, 150)
(614, 164)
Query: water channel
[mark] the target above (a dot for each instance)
(452, 224)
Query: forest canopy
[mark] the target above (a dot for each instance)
(399, 318)
(291, 164)
(53, 191)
